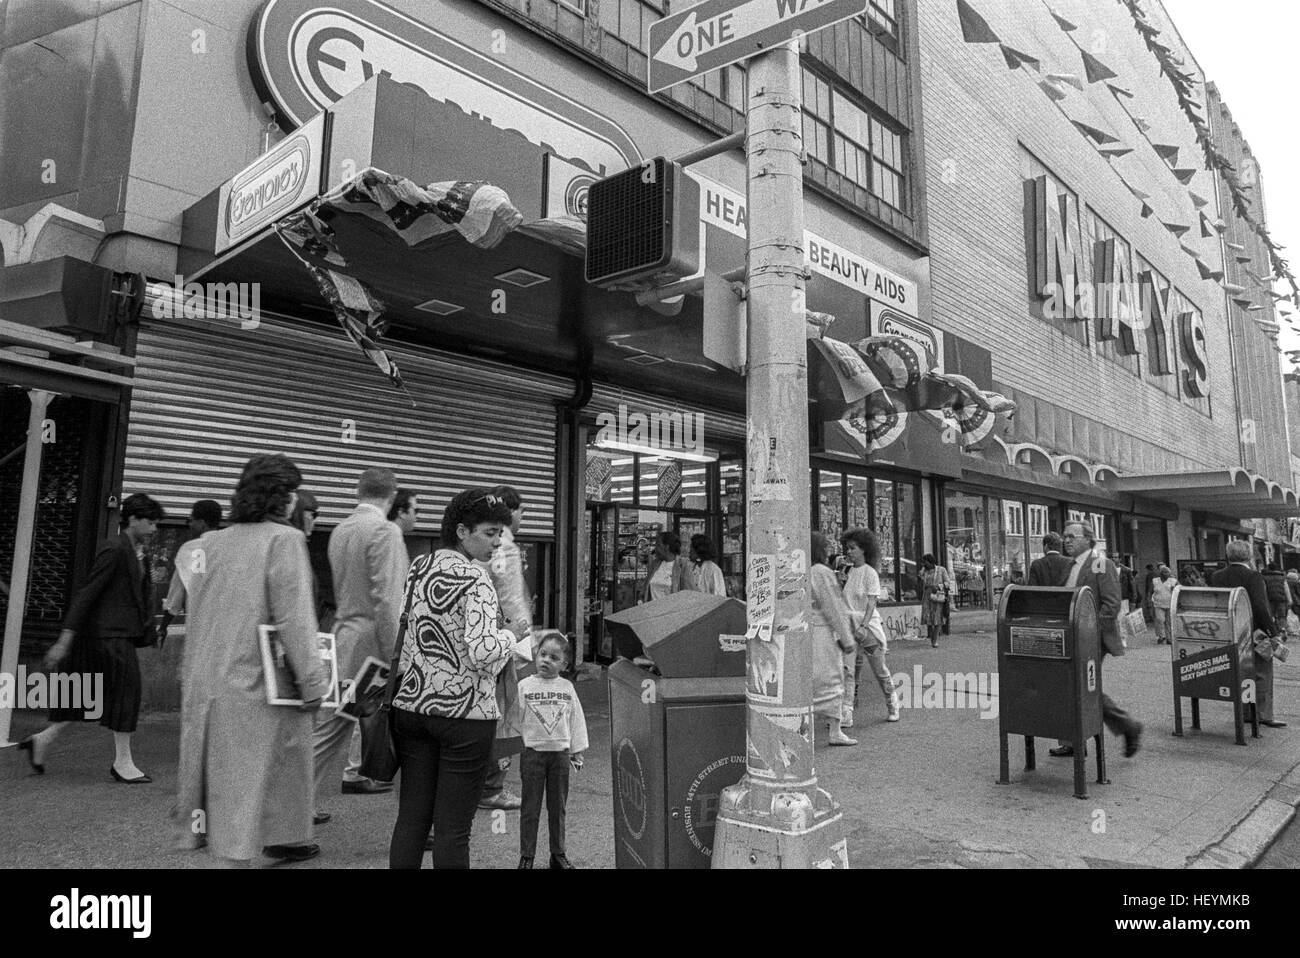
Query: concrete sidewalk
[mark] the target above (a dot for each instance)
(918, 793)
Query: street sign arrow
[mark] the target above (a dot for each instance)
(716, 33)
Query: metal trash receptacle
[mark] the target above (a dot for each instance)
(677, 735)
(1212, 654)
(1049, 675)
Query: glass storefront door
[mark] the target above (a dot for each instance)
(967, 535)
(891, 508)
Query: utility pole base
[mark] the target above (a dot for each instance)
(795, 831)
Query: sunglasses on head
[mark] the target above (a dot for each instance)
(490, 499)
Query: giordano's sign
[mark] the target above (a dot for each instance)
(306, 56)
(1124, 302)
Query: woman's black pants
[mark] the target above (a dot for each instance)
(444, 763)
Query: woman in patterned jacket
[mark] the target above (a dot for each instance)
(445, 709)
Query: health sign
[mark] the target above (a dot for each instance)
(716, 33)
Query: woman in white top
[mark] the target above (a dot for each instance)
(833, 645)
(862, 592)
(668, 571)
(1162, 592)
(705, 576)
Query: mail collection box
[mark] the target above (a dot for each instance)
(1212, 653)
(1049, 673)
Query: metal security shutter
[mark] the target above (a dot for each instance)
(718, 426)
(209, 395)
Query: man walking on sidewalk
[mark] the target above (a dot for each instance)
(1240, 572)
(1094, 570)
(368, 563)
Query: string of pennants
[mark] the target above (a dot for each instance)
(975, 29)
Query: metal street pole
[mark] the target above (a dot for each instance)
(18, 580)
(776, 816)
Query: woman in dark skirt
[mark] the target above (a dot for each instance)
(110, 617)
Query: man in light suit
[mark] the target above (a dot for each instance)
(1093, 569)
(1050, 569)
(368, 564)
(1240, 572)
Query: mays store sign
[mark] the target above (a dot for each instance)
(1080, 271)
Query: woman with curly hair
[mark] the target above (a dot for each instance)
(445, 710)
(862, 592)
(245, 776)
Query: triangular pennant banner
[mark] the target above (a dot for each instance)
(1205, 271)
(1243, 303)
(1198, 200)
(1099, 135)
(1221, 227)
(1147, 211)
(1070, 78)
(1233, 289)
(1094, 69)
(974, 28)
(1142, 124)
(1235, 246)
(1016, 59)
(1185, 176)
(1244, 259)
(1115, 150)
(1053, 90)
(1168, 153)
(1207, 229)
(1118, 90)
(1063, 23)
(1175, 228)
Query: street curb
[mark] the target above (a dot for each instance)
(1246, 842)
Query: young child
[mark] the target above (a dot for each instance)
(555, 736)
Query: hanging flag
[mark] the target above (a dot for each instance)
(1243, 303)
(1016, 59)
(1207, 229)
(1175, 228)
(1118, 90)
(851, 381)
(1236, 246)
(1099, 135)
(896, 362)
(1197, 200)
(1244, 259)
(1167, 153)
(1185, 176)
(1095, 70)
(1233, 289)
(1147, 211)
(1188, 250)
(1134, 190)
(1114, 151)
(1070, 78)
(974, 28)
(1142, 124)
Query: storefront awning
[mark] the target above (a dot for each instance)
(1234, 492)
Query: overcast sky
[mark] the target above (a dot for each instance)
(1250, 49)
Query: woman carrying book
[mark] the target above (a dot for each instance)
(245, 775)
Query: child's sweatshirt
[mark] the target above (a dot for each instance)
(551, 715)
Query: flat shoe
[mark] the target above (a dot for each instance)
(141, 779)
(1061, 751)
(366, 787)
(843, 740)
(1272, 724)
(26, 745)
(320, 818)
(292, 853)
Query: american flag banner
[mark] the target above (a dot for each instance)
(480, 212)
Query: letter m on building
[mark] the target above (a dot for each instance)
(1056, 260)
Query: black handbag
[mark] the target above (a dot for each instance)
(379, 758)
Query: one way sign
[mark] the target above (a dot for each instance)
(716, 33)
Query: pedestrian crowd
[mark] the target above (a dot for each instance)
(471, 682)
